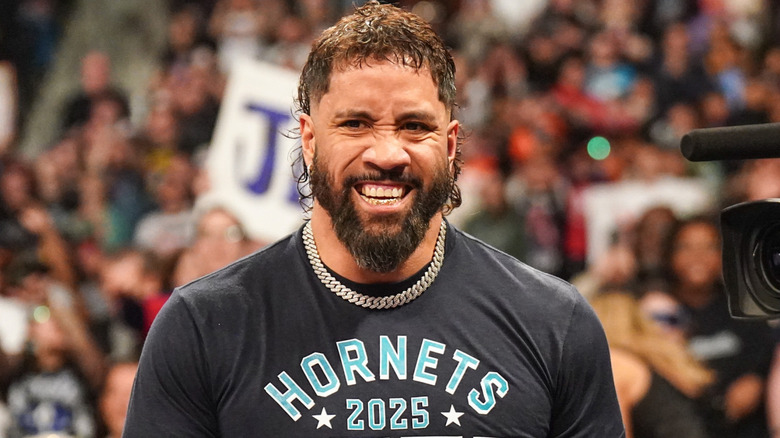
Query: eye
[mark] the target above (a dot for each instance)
(416, 126)
(353, 124)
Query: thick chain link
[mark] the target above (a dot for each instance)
(367, 301)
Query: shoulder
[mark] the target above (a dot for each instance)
(220, 306)
(493, 266)
(506, 288)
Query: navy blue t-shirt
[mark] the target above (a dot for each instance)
(493, 348)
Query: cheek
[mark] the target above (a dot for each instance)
(680, 263)
(329, 160)
(714, 262)
(427, 160)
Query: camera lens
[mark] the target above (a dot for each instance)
(770, 256)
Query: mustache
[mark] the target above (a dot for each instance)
(385, 176)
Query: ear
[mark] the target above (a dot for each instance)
(452, 142)
(307, 139)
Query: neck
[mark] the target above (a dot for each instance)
(335, 255)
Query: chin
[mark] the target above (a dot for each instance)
(384, 224)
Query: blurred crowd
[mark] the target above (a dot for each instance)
(574, 111)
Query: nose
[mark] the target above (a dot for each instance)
(387, 153)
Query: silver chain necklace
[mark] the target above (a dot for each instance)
(367, 301)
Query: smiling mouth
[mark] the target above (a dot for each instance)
(382, 195)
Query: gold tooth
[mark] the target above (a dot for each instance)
(380, 201)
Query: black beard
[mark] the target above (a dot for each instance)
(382, 251)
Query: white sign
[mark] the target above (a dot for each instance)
(249, 163)
(608, 206)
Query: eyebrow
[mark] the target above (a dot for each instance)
(422, 116)
(353, 114)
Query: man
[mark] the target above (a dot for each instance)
(377, 318)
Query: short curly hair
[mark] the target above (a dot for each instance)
(378, 32)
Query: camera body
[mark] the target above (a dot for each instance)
(750, 230)
(751, 258)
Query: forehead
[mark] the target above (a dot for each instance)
(380, 83)
(698, 231)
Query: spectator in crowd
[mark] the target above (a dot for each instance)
(755, 180)
(738, 351)
(114, 178)
(678, 77)
(668, 129)
(540, 200)
(219, 240)
(50, 397)
(292, 39)
(714, 109)
(497, 222)
(240, 29)
(170, 228)
(95, 85)
(755, 108)
(52, 388)
(114, 338)
(723, 69)
(160, 136)
(658, 304)
(607, 77)
(136, 282)
(474, 27)
(115, 396)
(27, 228)
(186, 34)
(194, 103)
(656, 379)
(649, 235)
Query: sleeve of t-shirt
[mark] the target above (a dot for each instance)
(585, 399)
(171, 395)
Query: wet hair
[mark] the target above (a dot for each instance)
(377, 33)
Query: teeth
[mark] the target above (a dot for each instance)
(381, 196)
(379, 192)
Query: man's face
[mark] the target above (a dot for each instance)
(381, 146)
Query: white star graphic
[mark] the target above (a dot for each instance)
(323, 419)
(452, 416)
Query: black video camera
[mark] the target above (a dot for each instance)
(750, 230)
